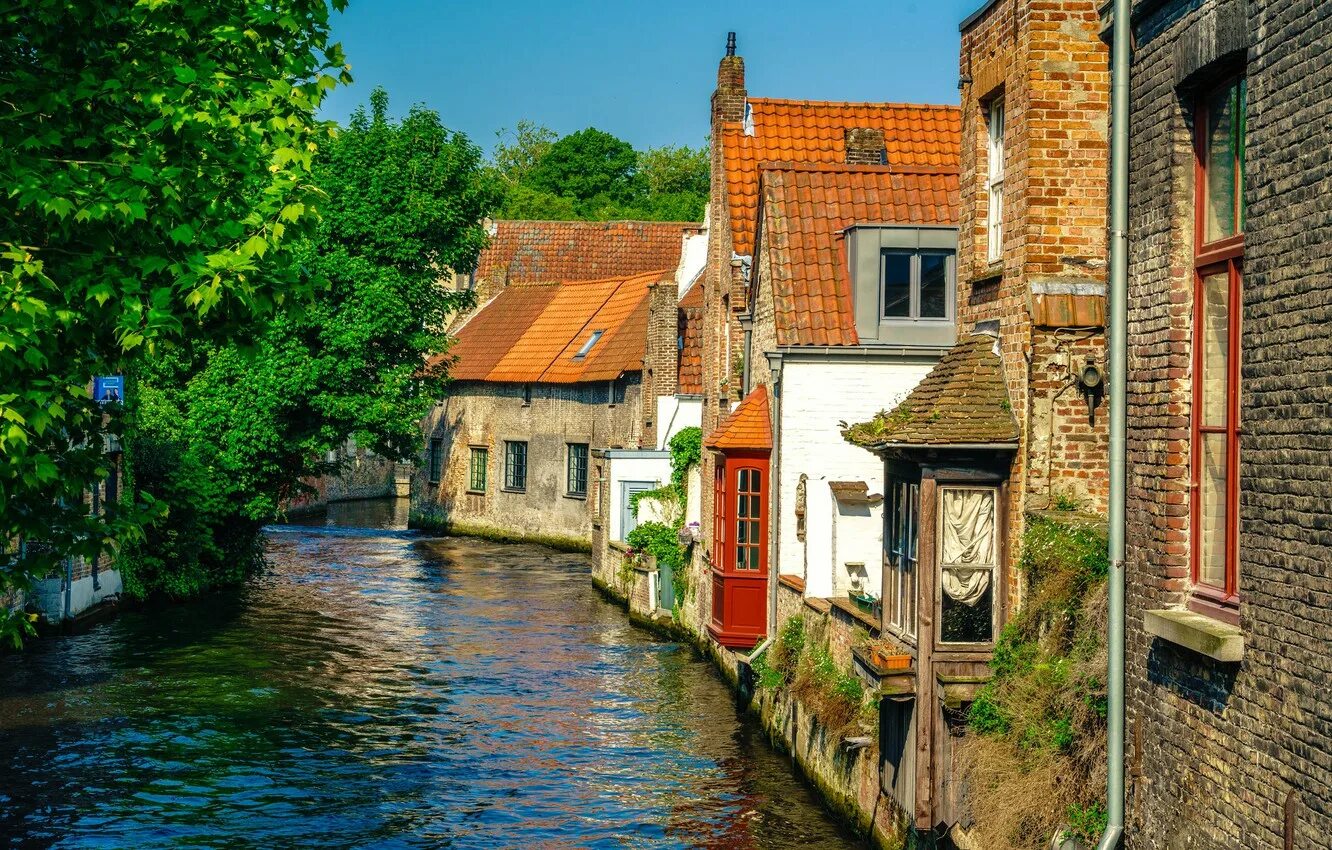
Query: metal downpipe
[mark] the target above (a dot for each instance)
(1121, 54)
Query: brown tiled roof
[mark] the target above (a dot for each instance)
(749, 426)
(805, 210)
(555, 251)
(691, 332)
(814, 131)
(963, 401)
(531, 334)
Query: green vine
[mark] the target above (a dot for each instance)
(662, 539)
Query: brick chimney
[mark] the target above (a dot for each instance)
(728, 101)
(864, 146)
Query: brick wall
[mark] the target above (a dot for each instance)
(662, 359)
(1048, 64)
(1217, 751)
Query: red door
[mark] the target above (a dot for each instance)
(740, 551)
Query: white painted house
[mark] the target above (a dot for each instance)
(851, 304)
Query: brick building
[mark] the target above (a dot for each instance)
(1229, 729)
(1011, 420)
(747, 133)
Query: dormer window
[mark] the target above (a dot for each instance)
(916, 283)
(902, 282)
(587, 346)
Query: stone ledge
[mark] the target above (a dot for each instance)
(1199, 633)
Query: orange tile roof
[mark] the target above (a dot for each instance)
(805, 210)
(556, 251)
(532, 334)
(812, 131)
(749, 426)
(690, 380)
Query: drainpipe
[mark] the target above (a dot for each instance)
(1121, 53)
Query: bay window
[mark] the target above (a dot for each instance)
(1218, 282)
(740, 549)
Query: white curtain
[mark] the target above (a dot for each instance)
(968, 543)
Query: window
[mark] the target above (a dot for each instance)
(577, 471)
(903, 536)
(436, 459)
(515, 465)
(527, 394)
(587, 346)
(748, 519)
(476, 471)
(995, 219)
(968, 556)
(916, 283)
(1218, 282)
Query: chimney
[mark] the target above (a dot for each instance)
(864, 146)
(728, 101)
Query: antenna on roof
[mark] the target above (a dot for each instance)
(730, 44)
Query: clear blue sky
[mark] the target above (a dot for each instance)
(643, 71)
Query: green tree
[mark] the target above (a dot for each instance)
(225, 436)
(518, 151)
(156, 158)
(677, 180)
(591, 167)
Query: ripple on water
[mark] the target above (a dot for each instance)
(381, 689)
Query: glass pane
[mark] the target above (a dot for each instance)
(967, 620)
(754, 557)
(741, 537)
(1212, 511)
(1215, 343)
(896, 284)
(933, 286)
(1219, 164)
(754, 506)
(744, 480)
(740, 557)
(1241, 130)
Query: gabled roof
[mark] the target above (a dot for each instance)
(690, 381)
(815, 131)
(963, 401)
(749, 426)
(555, 251)
(806, 208)
(532, 334)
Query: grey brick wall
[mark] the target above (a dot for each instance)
(1216, 751)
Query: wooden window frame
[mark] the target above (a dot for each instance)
(997, 577)
(571, 470)
(509, 467)
(995, 151)
(1221, 256)
(901, 616)
(473, 485)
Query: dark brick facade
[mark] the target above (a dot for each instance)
(1233, 755)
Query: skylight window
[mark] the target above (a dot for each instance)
(587, 346)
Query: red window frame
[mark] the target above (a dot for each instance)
(739, 594)
(1220, 256)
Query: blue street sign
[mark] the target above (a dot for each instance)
(110, 388)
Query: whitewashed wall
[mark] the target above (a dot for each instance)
(815, 397)
(625, 465)
(674, 414)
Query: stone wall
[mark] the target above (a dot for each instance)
(487, 415)
(1233, 755)
(363, 475)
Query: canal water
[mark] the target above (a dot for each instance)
(378, 688)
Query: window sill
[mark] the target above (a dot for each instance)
(475, 492)
(582, 497)
(1197, 632)
(514, 490)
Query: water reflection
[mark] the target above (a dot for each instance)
(381, 689)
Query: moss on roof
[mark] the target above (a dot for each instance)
(963, 401)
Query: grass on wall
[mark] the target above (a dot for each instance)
(1036, 759)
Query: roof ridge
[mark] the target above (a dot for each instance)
(855, 168)
(584, 221)
(874, 103)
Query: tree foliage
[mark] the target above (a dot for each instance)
(242, 426)
(593, 175)
(156, 160)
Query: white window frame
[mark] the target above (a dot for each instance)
(994, 249)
